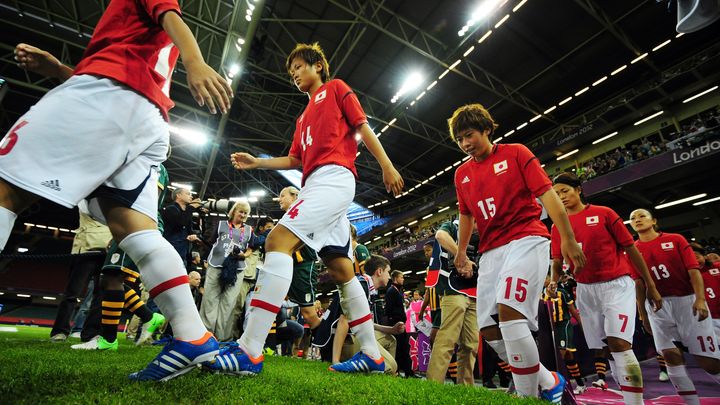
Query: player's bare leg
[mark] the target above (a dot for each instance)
(13, 200)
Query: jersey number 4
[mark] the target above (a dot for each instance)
(294, 211)
(306, 138)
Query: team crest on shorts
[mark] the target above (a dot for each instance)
(594, 220)
(307, 297)
(667, 246)
(500, 167)
(114, 258)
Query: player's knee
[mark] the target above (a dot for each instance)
(14, 198)
(618, 345)
(111, 280)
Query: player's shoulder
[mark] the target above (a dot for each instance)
(338, 85)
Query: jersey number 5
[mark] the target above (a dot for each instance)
(10, 139)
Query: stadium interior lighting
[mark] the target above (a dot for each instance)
(410, 83)
(234, 69)
(597, 141)
(23, 295)
(411, 223)
(709, 200)
(648, 118)
(193, 135)
(257, 193)
(427, 216)
(22, 249)
(561, 157)
(407, 272)
(702, 93)
(680, 201)
(181, 185)
(49, 298)
(443, 209)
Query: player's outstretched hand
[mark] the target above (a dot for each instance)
(700, 309)
(36, 60)
(243, 161)
(655, 299)
(394, 183)
(208, 87)
(572, 252)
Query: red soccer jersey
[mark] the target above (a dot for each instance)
(129, 45)
(500, 193)
(602, 235)
(711, 279)
(669, 258)
(325, 132)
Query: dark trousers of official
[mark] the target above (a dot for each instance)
(81, 269)
(402, 354)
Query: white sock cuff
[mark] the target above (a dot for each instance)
(677, 371)
(515, 330)
(140, 244)
(351, 289)
(623, 358)
(278, 264)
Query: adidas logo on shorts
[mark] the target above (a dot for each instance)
(53, 184)
(310, 235)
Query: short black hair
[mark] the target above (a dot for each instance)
(374, 263)
(263, 221)
(567, 178)
(428, 244)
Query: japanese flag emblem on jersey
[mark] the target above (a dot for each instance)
(516, 357)
(714, 272)
(594, 220)
(320, 96)
(667, 246)
(500, 167)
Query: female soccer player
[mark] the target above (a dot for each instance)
(605, 291)
(684, 316)
(324, 145)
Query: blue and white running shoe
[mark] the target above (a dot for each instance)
(554, 394)
(233, 360)
(360, 363)
(177, 358)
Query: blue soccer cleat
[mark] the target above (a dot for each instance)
(360, 363)
(177, 358)
(233, 360)
(554, 394)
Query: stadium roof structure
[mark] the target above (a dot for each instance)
(545, 69)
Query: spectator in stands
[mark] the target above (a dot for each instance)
(360, 252)
(177, 219)
(91, 240)
(395, 312)
(196, 288)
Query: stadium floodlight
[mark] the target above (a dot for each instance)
(561, 157)
(22, 249)
(23, 295)
(188, 187)
(618, 70)
(661, 45)
(252, 199)
(411, 82)
(413, 222)
(443, 209)
(597, 141)
(407, 272)
(549, 110)
(193, 135)
(565, 101)
(427, 216)
(484, 10)
(600, 80)
(388, 233)
(521, 126)
(484, 37)
(257, 193)
(499, 23)
(516, 8)
(702, 93)
(648, 118)
(234, 69)
(535, 118)
(638, 59)
(421, 272)
(627, 222)
(680, 201)
(237, 199)
(49, 298)
(709, 200)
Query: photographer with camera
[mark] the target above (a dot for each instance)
(232, 241)
(178, 220)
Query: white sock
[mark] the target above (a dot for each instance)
(524, 359)
(7, 220)
(683, 384)
(499, 347)
(356, 308)
(629, 376)
(270, 290)
(164, 275)
(613, 371)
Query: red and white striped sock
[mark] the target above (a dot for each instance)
(683, 384)
(629, 376)
(271, 288)
(356, 308)
(164, 275)
(522, 354)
